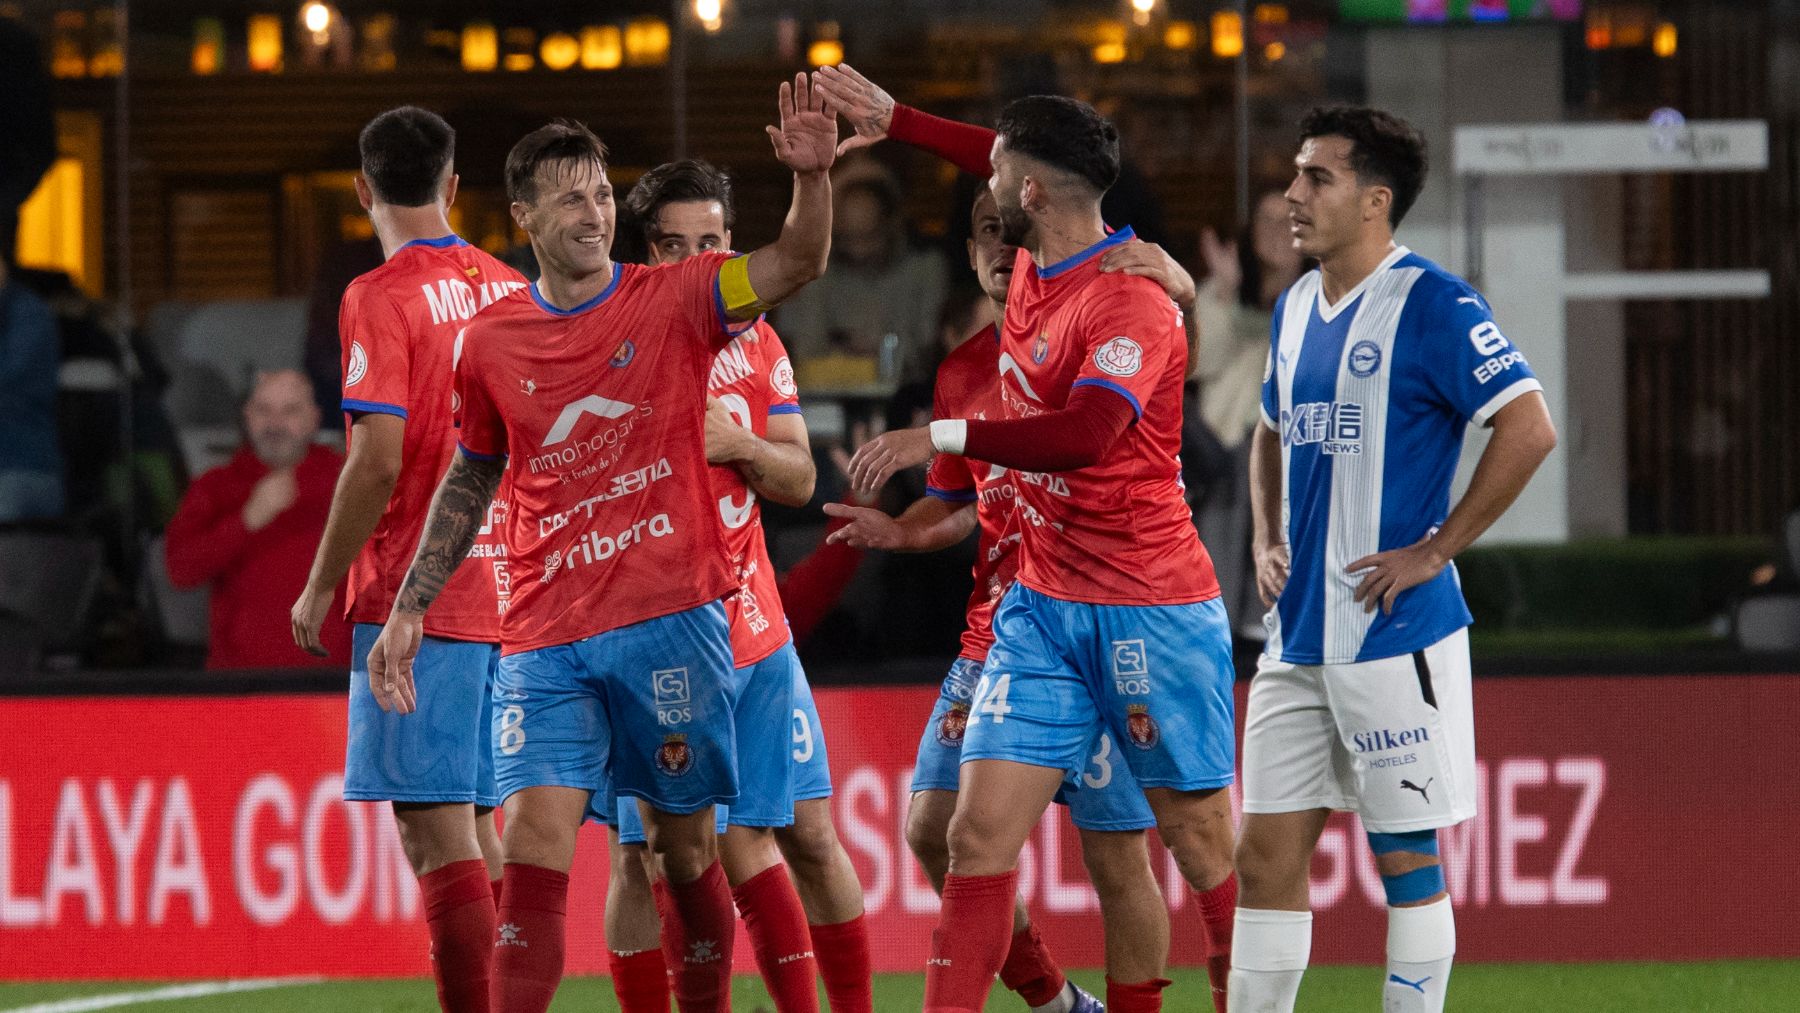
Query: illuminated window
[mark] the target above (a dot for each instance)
(59, 225)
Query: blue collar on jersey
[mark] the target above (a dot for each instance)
(537, 297)
(440, 243)
(1124, 235)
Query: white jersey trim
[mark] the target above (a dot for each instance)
(1329, 312)
(1519, 389)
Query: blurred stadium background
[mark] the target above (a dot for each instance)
(1620, 177)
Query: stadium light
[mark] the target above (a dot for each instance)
(1663, 42)
(1179, 35)
(827, 48)
(316, 17)
(710, 14)
(1274, 51)
(602, 47)
(264, 32)
(1227, 34)
(209, 46)
(1140, 11)
(646, 42)
(559, 51)
(480, 46)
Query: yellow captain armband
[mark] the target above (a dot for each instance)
(737, 300)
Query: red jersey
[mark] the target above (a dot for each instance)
(1118, 532)
(753, 377)
(602, 409)
(968, 388)
(398, 324)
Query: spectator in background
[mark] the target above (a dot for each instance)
(31, 467)
(248, 528)
(1234, 307)
(878, 284)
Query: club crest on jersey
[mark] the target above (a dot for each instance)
(359, 365)
(674, 757)
(623, 355)
(952, 725)
(1365, 359)
(781, 377)
(1040, 349)
(528, 386)
(1121, 357)
(1140, 727)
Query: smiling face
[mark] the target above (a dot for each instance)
(1329, 208)
(570, 220)
(684, 228)
(990, 255)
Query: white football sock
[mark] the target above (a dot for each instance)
(1269, 951)
(1063, 1003)
(1420, 944)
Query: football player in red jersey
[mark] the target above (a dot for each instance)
(398, 325)
(589, 389)
(1106, 804)
(757, 442)
(1114, 622)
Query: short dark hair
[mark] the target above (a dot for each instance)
(1065, 133)
(690, 179)
(1384, 149)
(405, 153)
(556, 141)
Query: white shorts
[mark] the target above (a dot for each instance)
(1392, 739)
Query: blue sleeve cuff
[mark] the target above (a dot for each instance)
(1094, 381)
(784, 409)
(372, 407)
(951, 495)
(473, 456)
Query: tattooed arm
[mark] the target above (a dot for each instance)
(457, 511)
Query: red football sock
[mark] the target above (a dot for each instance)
(970, 942)
(496, 885)
(777, 926)
(843, 954)
(698, 927)
(460, 919)
(1142, 997)
(1030, 970)
(640, 980)
(528, 953)
(1218, 909)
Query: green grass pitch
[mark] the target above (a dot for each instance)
(1759, 986)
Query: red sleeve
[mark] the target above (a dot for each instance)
(207, 533)
(784, 394)
(964, 145)
(376, 355)
(812, 588)
(1134, 337)
(707, 293)
(481, 432)
(1072, 437)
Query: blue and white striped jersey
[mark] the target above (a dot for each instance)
(1371, 398)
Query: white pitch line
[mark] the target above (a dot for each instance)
(196, 990)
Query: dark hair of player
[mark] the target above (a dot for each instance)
(1384, 149)
(1064, 133)
(405, 153)
(557, 141)
(690, 179)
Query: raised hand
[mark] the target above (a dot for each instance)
(1221, 257)
(805, 138)
(861, 102)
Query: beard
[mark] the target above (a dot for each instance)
(1015, 224)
